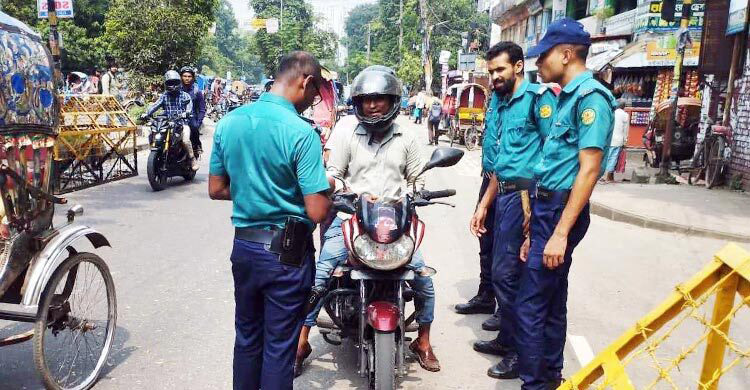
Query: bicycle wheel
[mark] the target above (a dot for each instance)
(472, 139)
(715, 162)
(75, 323)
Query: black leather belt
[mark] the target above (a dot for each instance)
(551, 196)
(258, 236)
(508, 186)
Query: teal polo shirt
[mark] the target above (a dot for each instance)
(583, 119)
(272, 158)
(521, 123)
(489, 141)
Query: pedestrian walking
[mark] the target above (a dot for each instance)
(523, 114)
(615, 157)
(419, 108)
(433, 121)
(272, 158)
(566, 174)
(110, 80)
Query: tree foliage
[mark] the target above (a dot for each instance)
(459, 16)
(159, 36)
(80, 51)
(298, 32)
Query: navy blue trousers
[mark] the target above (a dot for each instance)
(541, 303)
(506, 264)
(485, 244)
(269, 302)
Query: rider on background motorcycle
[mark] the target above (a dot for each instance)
(376, 158)
(175, 103)
(187, 74)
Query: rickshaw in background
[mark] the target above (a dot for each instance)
(463, 109)
(46, 278)
(684, 136)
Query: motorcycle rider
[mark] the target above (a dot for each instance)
(175, 102)
(187, 74)
(380, 159)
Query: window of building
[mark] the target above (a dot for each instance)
(625, 5)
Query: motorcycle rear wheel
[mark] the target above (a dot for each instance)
(156, 177)
(385, 361)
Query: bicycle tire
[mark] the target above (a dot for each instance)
(715, 162)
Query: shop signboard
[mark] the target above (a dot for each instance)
(64, 8)
(661, 51)
(737, 16)
(649, 16)
(558, 9)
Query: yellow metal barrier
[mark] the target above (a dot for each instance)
(96, 144)
(722, 279)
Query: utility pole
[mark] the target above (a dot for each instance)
(369, 30)
(683, 39)
(400, 29)
(54, 39)
(425, 45)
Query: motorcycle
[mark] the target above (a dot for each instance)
(168, 157)
(365, 299)
(233, 102)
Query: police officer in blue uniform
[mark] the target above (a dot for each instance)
(523, 115)
(570, 165)
(272, 159)
(484, 301)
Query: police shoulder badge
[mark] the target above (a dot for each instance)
(545, 111)
(587, 116)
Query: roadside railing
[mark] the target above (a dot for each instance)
(653, 353)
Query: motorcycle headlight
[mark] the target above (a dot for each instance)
(159, 137)
(383, 257)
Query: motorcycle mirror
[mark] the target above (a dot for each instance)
(443, 157)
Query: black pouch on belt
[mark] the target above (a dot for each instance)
(292, 242)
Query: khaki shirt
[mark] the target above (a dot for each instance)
(387, 169)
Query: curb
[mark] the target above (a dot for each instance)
(657, 224)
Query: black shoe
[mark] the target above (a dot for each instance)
(505, 369)
(480, 304)
(491, 347)
(492, 324)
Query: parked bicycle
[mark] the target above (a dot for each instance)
(712, 157)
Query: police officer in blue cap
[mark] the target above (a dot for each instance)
(522, 115)
(267, 160)
(570, 165)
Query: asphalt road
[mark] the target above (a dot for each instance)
(175, 326)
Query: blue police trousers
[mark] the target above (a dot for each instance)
(269, 303)
(485, 244)
(541, 303)
(506, 262)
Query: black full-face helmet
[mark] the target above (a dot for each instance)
(172, 82)
(376, 80)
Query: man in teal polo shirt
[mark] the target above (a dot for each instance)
(523, 115)
(566, 174)
(268, 161)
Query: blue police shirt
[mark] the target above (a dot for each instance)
(521, 123)
(489, 141)
(583, 118)
(272, 157)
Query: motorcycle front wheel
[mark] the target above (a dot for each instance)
(385, 361)
(157, 178)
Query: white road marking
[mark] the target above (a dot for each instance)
(582, 349)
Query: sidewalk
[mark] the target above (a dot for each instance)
(692, 210)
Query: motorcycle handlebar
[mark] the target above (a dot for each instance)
(429, 195)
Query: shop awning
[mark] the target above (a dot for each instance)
(598, 61)
(632, 56)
